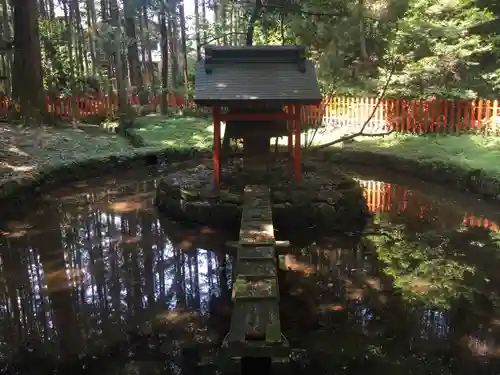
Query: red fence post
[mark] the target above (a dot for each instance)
(298, 155)
(217, 146)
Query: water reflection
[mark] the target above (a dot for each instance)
(92, 265)
(84, 270)
(382, 197)
(418, 294)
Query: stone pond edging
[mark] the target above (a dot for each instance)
(17, 191)
(474, 181)
(318, 204)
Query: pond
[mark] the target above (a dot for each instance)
(92, 280)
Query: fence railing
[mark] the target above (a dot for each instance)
(409, 116)
(400, 115)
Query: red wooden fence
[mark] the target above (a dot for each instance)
(384, 197)
(400, 115)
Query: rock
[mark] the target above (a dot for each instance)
(279, 196)
(316, 202)
(230, 197)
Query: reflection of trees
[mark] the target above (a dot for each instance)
(427, 247)
(87, 272)
(441, 316)
(447, 272)
(437, 267)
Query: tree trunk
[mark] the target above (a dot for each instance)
(164, 60)
(62, 299)
(184, 48)
(69, 25)
(109, 56)
(197, 30)
(236, 15)
(42, 9)
(104, 11)
(362, 38)
(27, 74)
(52, 12)
(223, 19)
(82, 56)
(144, 69)
(204, 19)
(173, 50)
(253, 19)
(7, 34)
(132, 49)
(120, 84)
(151, 71)
(91, 21)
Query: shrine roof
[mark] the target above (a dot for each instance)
(266, 74)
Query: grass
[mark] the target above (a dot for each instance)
(465, 151)
(25, 151)
(176, 132)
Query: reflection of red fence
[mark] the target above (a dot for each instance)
(401, 115)
(384, 197)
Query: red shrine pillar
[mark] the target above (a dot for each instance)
(298, 155)
(290, 124)
(217, 145)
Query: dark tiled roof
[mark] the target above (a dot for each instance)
(273, 75)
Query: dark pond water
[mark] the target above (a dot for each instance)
(91, 280)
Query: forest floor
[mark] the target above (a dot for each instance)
(175, 131)
(23, 151)
(466, 151)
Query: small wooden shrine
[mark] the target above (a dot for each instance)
(258, 91)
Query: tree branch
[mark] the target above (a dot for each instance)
(292, 10)
(361, 131)
(221, 36)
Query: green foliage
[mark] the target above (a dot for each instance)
(430, 41)
(436, 54)
(423, 273)
(55, 61)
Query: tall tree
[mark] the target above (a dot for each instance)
(162, 20)
(197, 29)
(183, 45)
(147, 46)
(91, 27)
(117, 44)
(27, 70)
(132, 50)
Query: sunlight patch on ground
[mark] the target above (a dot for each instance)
(62, 279)
(128, 206)
(330, 307)
(176, 316)
(17, 168)
(292, 264)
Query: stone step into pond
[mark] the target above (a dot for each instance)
(255, 330)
